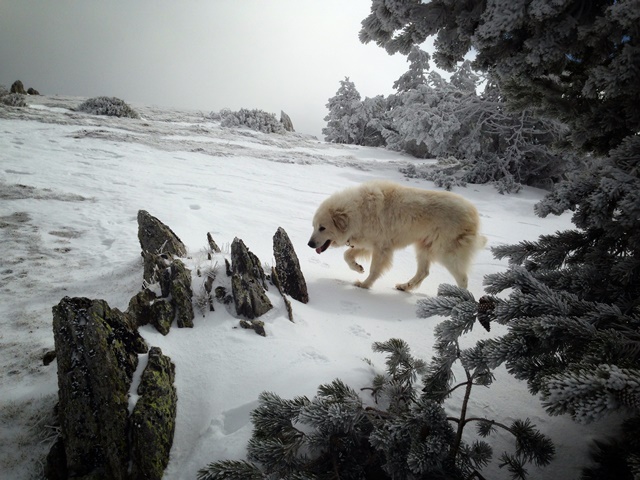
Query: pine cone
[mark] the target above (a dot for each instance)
(486, 305)
(629, 398)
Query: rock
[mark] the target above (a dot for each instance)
(248, 282)
(255, 325)
(48, 357)
(18, 87)
(153, 265)
(33, 91)
(286, 122)
(222, 296)
(175, 282)
(153, 419)
(155, 237)
(146, 307)
(288, 267)
(55, 467)
(176, 294)
(276, 281)
(159, 247)
(97, 351)
(212, 244)
(140, 307)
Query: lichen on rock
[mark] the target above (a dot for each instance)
(97, 354)
(288, 267)
(248, 282)
(153, 418)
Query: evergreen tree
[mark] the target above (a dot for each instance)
(406, 435)
(573, 313)
(475, 138)
(418, 64)
(344, 124)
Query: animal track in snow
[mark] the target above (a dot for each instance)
(359, 331)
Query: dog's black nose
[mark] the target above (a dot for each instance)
(312, 244)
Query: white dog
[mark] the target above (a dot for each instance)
(378, 217)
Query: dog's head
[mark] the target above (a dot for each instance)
(329, 228)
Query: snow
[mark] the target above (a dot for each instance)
(71, 185)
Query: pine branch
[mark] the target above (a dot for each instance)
(230, 470)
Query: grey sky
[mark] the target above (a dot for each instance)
(269, 54)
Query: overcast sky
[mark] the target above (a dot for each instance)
(207, 55)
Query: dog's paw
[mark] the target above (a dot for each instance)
(356, 267)
(360, 284)
(404, 287)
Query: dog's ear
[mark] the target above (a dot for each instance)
(340, 220)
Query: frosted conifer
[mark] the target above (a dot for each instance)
(573, 311)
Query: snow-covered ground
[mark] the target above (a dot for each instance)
(71, 185)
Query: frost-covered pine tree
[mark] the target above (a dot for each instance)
(418, 64)
(344, 124)
(405, 434)
(573, 311)
(354, 121)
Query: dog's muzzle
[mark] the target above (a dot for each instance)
(320, 249)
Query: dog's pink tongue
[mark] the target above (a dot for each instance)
(319, 250)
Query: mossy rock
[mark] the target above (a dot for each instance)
(155, 237)
(97, 352)
(153, 418)
(248, 282)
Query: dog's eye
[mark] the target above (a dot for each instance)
(322, 229)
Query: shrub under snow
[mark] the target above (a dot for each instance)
(254, 119)
(13, 100)
(111, 106)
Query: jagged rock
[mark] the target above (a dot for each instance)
(33, 91)
(248, 282)
(288, 267)
(175, 302)
(155, 237)
(159, 247)
(18, 87)
(212, 244)
(97, 351)
(175, 283)
(154, 264)
(222, 296)
(276, 281)
(255, 325)
(153, 419)
(146, 307)
(286, 122)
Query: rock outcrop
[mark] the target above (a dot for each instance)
(175, 282)
(97, 352)
(154, 418)
(288, 267)
(155, 237)
(286, 122)
(248, 282)
(18, 87)
(160, 247)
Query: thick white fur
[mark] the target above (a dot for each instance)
(379, 217)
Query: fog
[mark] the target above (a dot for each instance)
(207, 55)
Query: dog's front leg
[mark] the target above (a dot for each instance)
(350, 256)
(380, 262)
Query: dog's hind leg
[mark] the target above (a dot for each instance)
(422, 256)
(350, 256)
(380, 262)
(458, 267)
